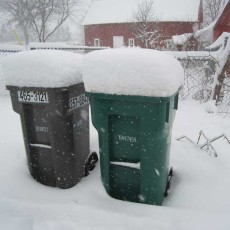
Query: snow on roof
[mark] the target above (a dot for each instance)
(61, 46)
(181, 39)
(220, 42)
(47, 45)
(42, 68)
(217, 50)
(205, 34)
(118, 11)
(132, 71)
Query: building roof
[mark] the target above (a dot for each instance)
(120, 11)
(206, 33)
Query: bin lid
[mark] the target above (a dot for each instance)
(42, 68)
(132, 71)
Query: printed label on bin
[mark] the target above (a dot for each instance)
(127, 138)
(77, 102)
(33, 96)
(42, 129)
(124, 138)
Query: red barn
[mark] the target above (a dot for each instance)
(223, 22)
(205, 37)
(110, 22)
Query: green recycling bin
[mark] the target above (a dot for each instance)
(134, 139)
(134, 130)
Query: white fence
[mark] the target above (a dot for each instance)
(201, 68)
(199, 78)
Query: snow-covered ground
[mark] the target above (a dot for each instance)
(198, 200)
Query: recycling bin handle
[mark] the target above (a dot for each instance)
(176, 98)
(167, 112)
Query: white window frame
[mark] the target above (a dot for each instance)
(96, 42)
(131, 42)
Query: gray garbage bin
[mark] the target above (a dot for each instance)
(55, 126)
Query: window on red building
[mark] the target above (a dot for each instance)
(96, 42)
(131, 42)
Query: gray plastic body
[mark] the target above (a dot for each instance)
(55, 126)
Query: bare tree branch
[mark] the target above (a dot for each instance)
(212, 9)
(18, 14)
(43, 16)
(146, 28)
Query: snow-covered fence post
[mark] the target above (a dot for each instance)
(221, 78)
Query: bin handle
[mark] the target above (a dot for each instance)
(167, 112)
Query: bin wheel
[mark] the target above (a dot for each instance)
(91, 163)
(168, 185)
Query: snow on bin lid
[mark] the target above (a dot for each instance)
(42, 68)
(132, 71)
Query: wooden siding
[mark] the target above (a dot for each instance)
(223, 23)
(105, 32)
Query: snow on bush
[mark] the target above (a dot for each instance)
(42, 68)
(132, 71)
(211, 107)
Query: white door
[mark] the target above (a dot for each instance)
(118, 41)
